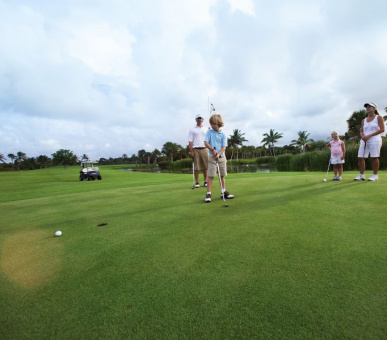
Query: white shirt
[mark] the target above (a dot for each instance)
(196, 135)
(371, 127)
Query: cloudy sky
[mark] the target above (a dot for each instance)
(107, 78)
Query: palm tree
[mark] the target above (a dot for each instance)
(260, 149)
(2, 158)
(155, 155)
(141, 154)
(84, 157)
(172, 150)
(302, 140)
(134, 159)
(43, 160)
(125, 158)
(354, 124)
(12, 157)
(20, 157)
(236, 140)
(270, 139)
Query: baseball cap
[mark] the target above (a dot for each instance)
(371, 104)
(198, 116)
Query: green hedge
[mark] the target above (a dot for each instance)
(308, 161)
(267, 160)
(283, 162)
(176, 166)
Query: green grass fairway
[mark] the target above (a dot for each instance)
(291, 257)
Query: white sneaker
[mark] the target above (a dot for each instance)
(334, 178)
(373, 177)
(360, 178)
(338, 178)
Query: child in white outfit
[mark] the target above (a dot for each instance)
(337, 147)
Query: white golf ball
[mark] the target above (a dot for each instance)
(58, 233)
(324, 180)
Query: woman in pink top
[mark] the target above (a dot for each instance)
(337, 147)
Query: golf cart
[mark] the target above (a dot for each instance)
(89, 172)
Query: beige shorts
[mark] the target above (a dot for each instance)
(201, 159)
(212, 169)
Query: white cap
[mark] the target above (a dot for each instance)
(199, 116)
(371, 104)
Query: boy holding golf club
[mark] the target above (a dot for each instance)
(337, 147)
(216, 143)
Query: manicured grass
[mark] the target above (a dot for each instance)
(291, 257)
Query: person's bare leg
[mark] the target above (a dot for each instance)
(375, 165)
(209, 183)
(205, 175)
(222, 179)
(361, 163)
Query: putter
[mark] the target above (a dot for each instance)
(365, 144)
(221, 186)
(193, 174)
(326, 176)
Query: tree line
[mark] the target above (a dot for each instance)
(173, 151)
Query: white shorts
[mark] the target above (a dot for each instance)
(337, 160)
(371, 149)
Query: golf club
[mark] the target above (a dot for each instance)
(193, 174)
(365, 144)
(326, 176)
(221, 186)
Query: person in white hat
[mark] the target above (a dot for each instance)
(198, 151)
(371, 131)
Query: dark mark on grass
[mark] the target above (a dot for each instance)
(102, 224)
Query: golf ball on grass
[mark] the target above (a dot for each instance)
(58, 233)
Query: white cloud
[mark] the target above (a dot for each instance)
(245, 6)
(119, 76)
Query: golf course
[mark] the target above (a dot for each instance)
(141, 256)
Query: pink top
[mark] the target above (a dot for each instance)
(336, 150)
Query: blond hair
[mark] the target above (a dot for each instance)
(216, 119)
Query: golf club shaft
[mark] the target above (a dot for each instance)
(193, 174)
(329, 164)
(220, 182)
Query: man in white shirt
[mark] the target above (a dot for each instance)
(199, 152)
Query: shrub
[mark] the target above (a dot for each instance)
(165, 165)
(383, 155)
(266, 160)
(351, 162)
(181, 164)
(241, 161)
(283, 162)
